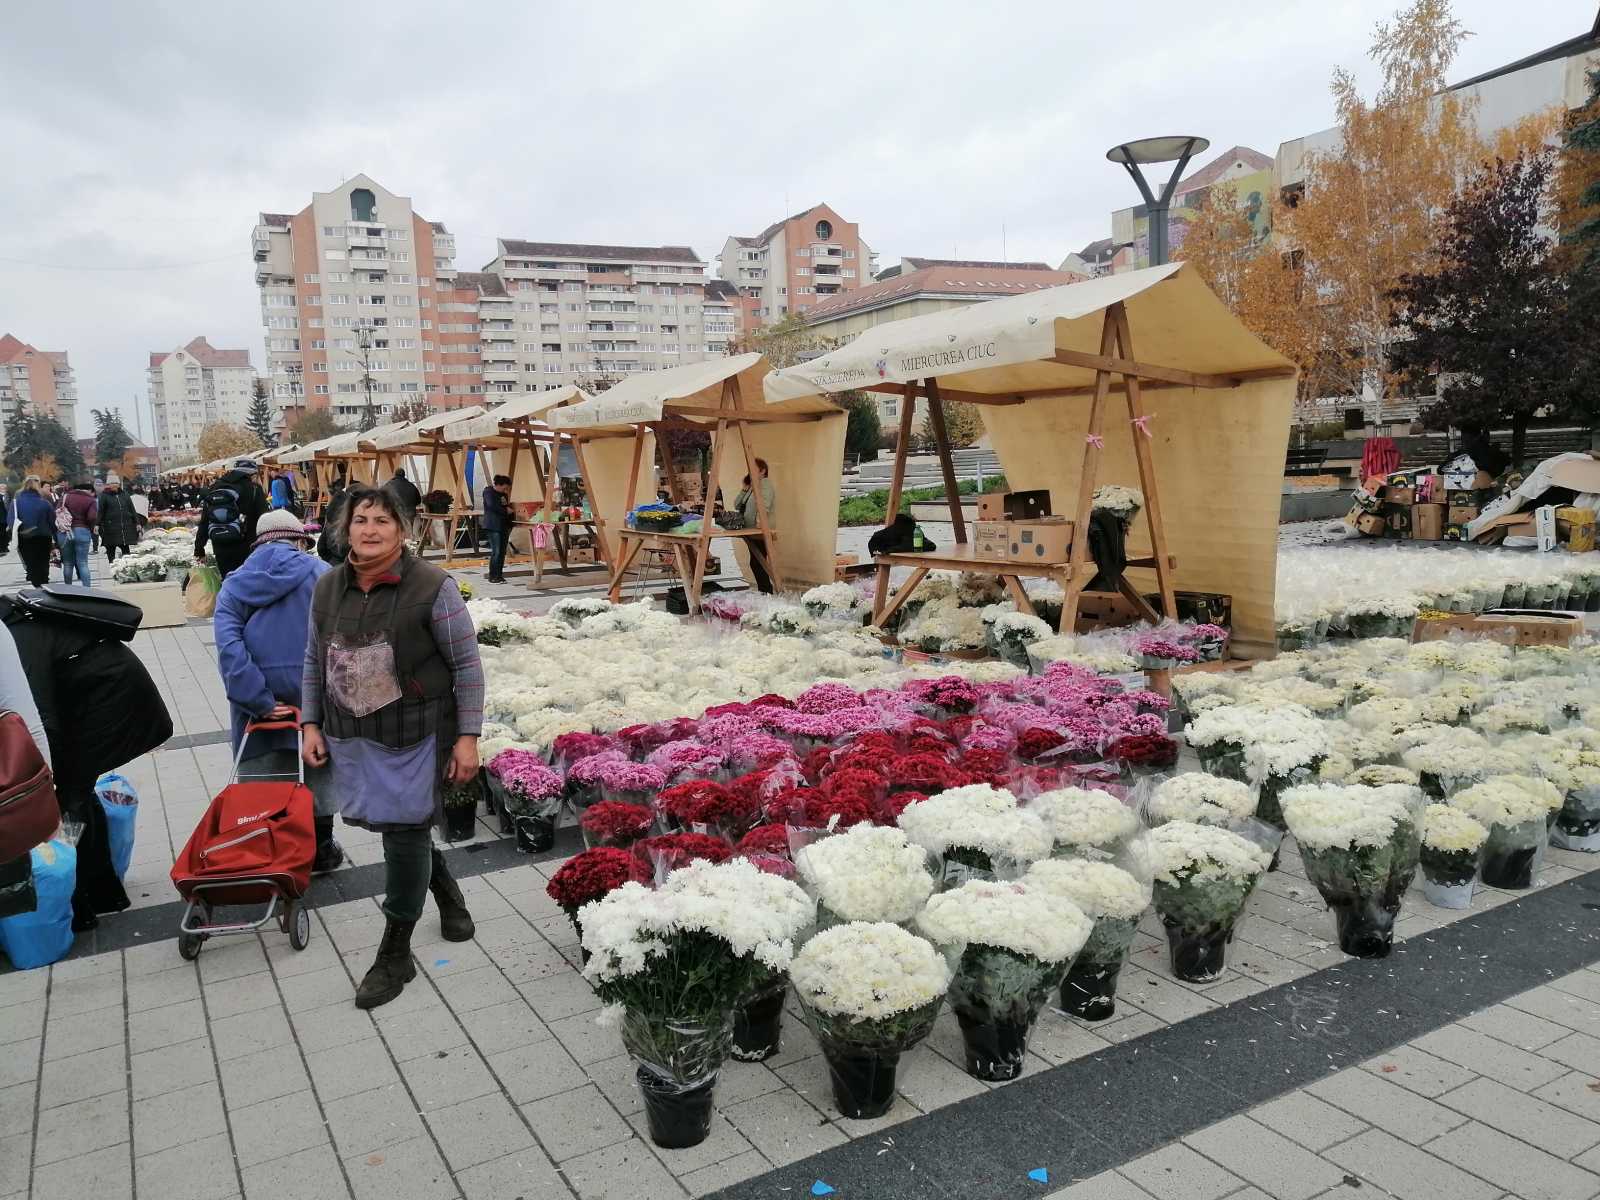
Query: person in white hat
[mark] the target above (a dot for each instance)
(261, 624)
(119, 521)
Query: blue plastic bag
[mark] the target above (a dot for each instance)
(121, 804)
(39, 938)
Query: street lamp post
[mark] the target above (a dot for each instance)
(369, 419)
(1157, 150)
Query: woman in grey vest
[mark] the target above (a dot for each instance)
(393, 698)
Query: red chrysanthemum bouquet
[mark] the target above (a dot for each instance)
(589, 876)
(613, 823)
(704, 806)
(665, 853)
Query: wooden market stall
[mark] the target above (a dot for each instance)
(315, 486)
(512, 439)
(802, 441)
(434, 463)
(1141, 378)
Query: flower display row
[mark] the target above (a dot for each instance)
(1364, 591)
(159, 554)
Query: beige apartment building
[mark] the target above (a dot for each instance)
(40, 380)
(194, 386)
(562, 313)
(351, 289)
(796, 264)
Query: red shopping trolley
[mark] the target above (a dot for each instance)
(254, 846)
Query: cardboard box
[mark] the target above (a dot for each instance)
(1461, 514)
(1027, 506)
(1427, 522)
(992, 506)
(1372, 524)
(1399, 479)
(1576, 528)
(162, 602)
(1455, 533)
(578, 556)
(1203, 608)
(991, 539)
(1404, 497)
(1544, 527)
(1460, 496)
(1482, 480)
(691, 488)
(1045, 541)
(1399, 520)
(1369, 496)
(1430, 489)
(1509, 627)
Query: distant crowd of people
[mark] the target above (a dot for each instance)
(65, 522)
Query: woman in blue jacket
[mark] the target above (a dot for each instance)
(261, 624)
(36, 530)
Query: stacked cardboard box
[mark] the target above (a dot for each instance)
(1019, 527)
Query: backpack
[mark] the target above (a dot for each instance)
(224, 514)
(63, 516)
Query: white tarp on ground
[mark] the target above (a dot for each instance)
(1575, 470)
(531, 404)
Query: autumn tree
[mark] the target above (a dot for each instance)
(961, 422)
(39, 444)
(410, 411)
(784, 342)
(1577, 218)
(864, 431)
(1492, 318)
(222, 440)
(259, 420)
(314, 425)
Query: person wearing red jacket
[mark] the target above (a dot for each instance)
(82, 507)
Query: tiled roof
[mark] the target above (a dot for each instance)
(1214, 169)
(677, 254)
(10, 347)
(487, 282)
(765, 236)
(278, 220)
(984, 282)
(1096, 249)
(438, 227)
(207, 355)
(721, 289)
(916, 264)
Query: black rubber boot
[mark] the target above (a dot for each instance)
(455, 922)
(330, 855)
(391, 970)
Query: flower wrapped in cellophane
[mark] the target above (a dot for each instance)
(1203, 876)
(1452, 844)
(1114, 898)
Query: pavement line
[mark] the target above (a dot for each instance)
(1098, 1112)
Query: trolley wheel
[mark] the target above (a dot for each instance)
(189, 945)
(300, 926)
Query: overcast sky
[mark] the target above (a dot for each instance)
(142, 139)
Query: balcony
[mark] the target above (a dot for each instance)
(364, 239)
(668, 275)
(820, 253)
(260, 243)
(378, 263)
(500, 374)
(500, 335)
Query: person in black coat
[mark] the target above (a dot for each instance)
(119, 520)
(101, 710)
(233, 505)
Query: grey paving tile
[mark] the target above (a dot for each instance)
(66, 1036)
(621, 1172)
(105, 1174)
(250, 1032)
(161, 988)
(586, 1039)
(1125, 1028)
(314, 989)
(504, 1026)
(724, 1174)
(447, 1077)
(414, 1035)
(1487, 1056)
(17, 1108)
(1405, 1114)
(1577, 1050)
(1526, 1117)
(1576, 1092)
(560, 996)
(410, 1170)
(200, 1169)
(530, 1073)
(19, 1063)
(1265, 1158)
(783, 1127)
(477, 989)
(1406, 1172)
(88, 993)
(1177, 1173)
(737, 1081)
(240, 994)
(21, 987)
(1058, 1038)
(337, 1024)
(264, 1075)
(1580, 983)
(1565, 1009)
(15, 1158)
(575, 1123)
(1107, 1185)
(275, 1128)
(83, 1076)
(21, 1022)
(287, 962)
(312, 1174)
(724, 1142)
(172, 1068)
(478, 1131)
(615, 1077)
(525, 1173)
(1515, 1027)
(370, 1121)
(166, 1026)
(79, 1128)
(231, 957)
(1417, 1070)
(1513, 1164)
(1309, 1121)
(345, 1070)
(162, 1122)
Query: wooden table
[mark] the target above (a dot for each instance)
(452, 523)
(683, 548)
(561, 536)
(963, 557)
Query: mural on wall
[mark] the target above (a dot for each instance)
(1252, 190)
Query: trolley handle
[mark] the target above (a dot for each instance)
(268, 725)
(291, 722)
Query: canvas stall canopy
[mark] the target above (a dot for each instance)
(512, 439)
(1128, 379)
(401, 446)
(802, 441)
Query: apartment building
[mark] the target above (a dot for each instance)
(194, 386)
(722, 315)
(350, 288)
(795, 264)
(39, 379)
(575, 313)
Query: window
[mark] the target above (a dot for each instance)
(803, 252)
(333, 254)
(338, 298)
(278, 300)
(426, 282)
(824, 230)
(338, 277)
(319, 344)
(340, 322)
(320, 368)
(363, 205)
(426, 324)
(849, 253)
(401, 279)
(310, 279)
(403, 301)
(802, 270)
(405, 322)
(424, 302)
(332, 231)
(313, 300)
(405, 343)
(321, 389)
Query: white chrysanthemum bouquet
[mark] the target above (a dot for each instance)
(1452, 843)
(1518, 811)
(975, 831)
(1360, 846)
(1203, 876)
(867, 873)
(1085, 822)
(1011, 943)
(1114, 899)
(1201, 798)
(870, 991)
